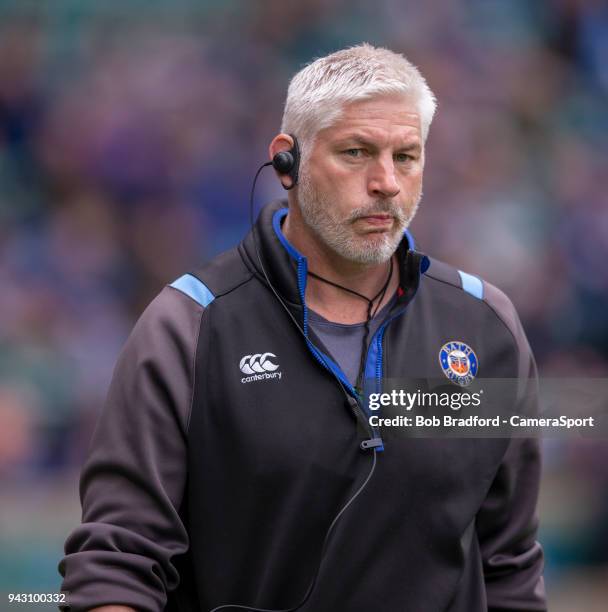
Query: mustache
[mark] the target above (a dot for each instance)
(379, 207)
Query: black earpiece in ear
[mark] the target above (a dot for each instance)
(288, 162)
(283, 162)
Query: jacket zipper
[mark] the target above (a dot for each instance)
(378, 337)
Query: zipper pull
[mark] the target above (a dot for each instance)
(376, 443)
(373, 442)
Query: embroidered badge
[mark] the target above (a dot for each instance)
(458, 362)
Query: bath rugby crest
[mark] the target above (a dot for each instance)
(458, 362)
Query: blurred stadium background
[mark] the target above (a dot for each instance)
(129, 135)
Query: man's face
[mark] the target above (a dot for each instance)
(362, 182)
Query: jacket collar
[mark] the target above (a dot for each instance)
(286, 267)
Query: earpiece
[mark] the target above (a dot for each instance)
(283, 162)
(288, 162)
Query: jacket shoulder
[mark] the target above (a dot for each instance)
(224, 273)
(486, 293)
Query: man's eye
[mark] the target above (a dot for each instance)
(353, 152)
(403, 157)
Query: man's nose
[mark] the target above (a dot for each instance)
(381, 179)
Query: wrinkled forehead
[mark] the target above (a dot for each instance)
(387, 117)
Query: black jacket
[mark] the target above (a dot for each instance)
(226, 447)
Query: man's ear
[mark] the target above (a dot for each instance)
(280, 143)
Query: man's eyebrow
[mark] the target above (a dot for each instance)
(362, 140)
(355, 138)
(410, 146)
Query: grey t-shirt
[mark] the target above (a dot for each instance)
(344, 341)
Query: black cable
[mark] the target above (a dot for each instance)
(346, 394)
(323, 550)
(363, 297)
(257, 251)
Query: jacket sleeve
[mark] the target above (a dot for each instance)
(506, 527)
(507, 523)
(133, 482)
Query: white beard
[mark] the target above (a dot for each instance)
(339, 234)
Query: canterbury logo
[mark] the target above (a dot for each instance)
(260, 363)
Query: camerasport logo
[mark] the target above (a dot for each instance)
(260, 366)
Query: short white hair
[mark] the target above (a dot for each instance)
(317, 93)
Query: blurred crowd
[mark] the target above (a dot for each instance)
(129, 135)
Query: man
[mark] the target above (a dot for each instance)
(235, 431)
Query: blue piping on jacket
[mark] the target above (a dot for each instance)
(194, 288)
(302, 277)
